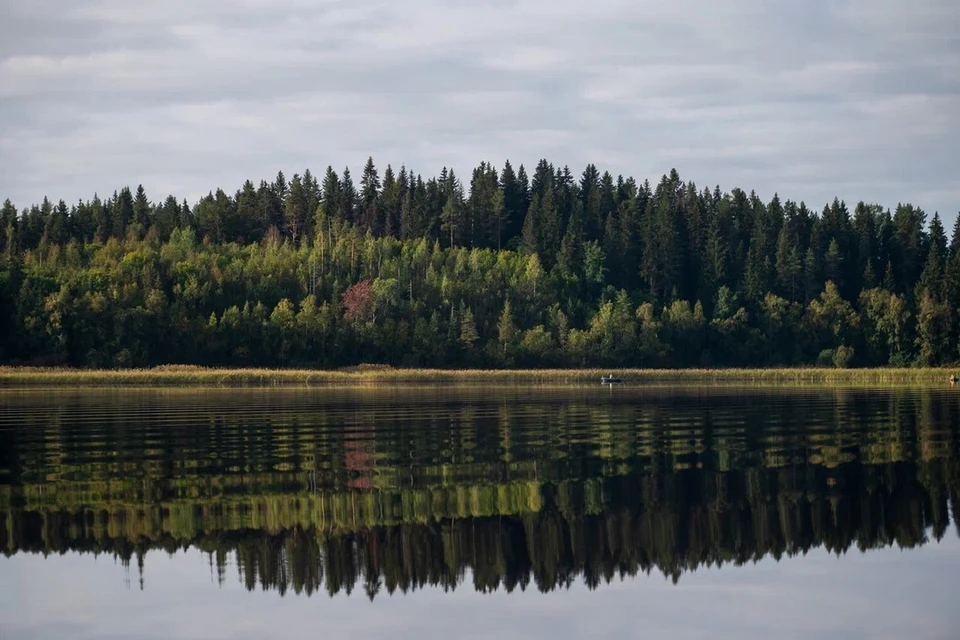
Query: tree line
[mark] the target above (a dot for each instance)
(502, 270)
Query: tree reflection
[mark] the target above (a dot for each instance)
(523, 497)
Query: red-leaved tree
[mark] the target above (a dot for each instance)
(358, 303)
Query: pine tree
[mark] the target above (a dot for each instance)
(513, 199)
(348, 197)
(759, 275)
(269, 209)
(391, 201)
(933, 279)
(662, 257)
(408, 221)
(279, 187)
(812, 274)
(8, 229)
(55, 230)
(311, 190)
(550, 229)
(250, 224)
(543, 179)
(789, 260)
(865, 232)
(633, 202)
(833, 262)
(611, 246)
(295, 210)
(907, 246)
(570, 256)
(955, 239)
(952, 279)
(141, 208)
(590, 196)
(484, 208)
(369, 196)
(122, 214)
(452, 217)
(531, 227)
(330, 195)
(608, 198)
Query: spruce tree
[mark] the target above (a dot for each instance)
(141, 208)
(933, 277)
(391, 201)
(8, 223)
(513, 209)
(250, 225)
(349, 200)
(531, 237)
(295, 210)
(369, 196)
(330, 195)
(122, 214)
(907, 246)
(590, 196)
(789, 260)
(56, 230)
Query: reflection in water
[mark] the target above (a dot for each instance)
(387, 489)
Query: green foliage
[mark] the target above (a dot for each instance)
(601, 271)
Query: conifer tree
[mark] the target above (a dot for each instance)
(141, 208)
(907, 246)
(452, 216)
(590, 196)
(513, 202)
(391, 201)
(933, 277)
(8, 231)
(789, 260)
(295, 210)
(348, 200)
(122, 214)
(55, 231)
(369, 197)
(250, 223)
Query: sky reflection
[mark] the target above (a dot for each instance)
(883, 593)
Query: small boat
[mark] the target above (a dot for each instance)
(611, 379)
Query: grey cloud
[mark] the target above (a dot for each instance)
(848, 98)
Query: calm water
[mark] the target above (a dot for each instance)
(467, 512)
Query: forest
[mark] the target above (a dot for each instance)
(503, 269)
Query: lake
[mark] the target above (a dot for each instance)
(455, 512)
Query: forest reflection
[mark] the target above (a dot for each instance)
(386, 491)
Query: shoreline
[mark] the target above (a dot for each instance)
(175, 375)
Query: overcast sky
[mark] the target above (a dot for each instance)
(854, 98)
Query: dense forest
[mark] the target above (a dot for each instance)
(502, 270)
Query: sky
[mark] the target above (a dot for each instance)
(858, 99)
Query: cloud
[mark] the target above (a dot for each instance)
(848, 98)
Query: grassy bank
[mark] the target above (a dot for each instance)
(189, 375)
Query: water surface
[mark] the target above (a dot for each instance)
(468, 512)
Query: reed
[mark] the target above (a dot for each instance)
(183, 375)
